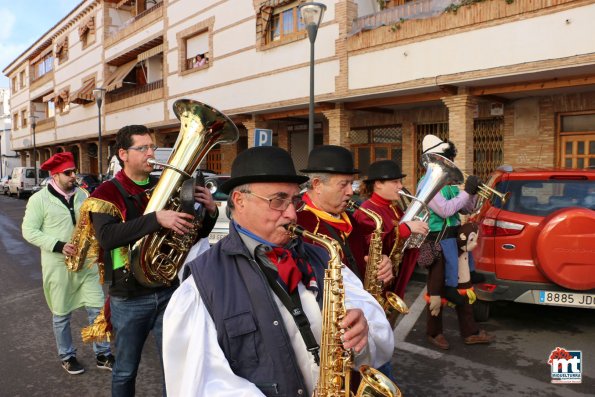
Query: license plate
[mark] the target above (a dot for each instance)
(566, 299)
(214, 237)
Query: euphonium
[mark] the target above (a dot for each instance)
(156, 258)
(389, 301)
(440, 172)
(335, 360)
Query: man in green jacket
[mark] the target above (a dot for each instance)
(49, 221)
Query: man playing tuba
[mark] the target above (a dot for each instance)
(117, 208)
(233, 328)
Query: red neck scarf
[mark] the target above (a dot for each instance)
(290, 273)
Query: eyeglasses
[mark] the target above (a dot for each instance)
(278, 203)
(143, 148)
(69, 172)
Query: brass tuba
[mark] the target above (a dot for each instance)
(156, 258)
(335, 360)
(440, 172)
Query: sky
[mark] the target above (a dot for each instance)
(24, 22)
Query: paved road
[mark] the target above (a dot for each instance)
(515, 365)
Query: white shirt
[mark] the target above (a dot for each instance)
(195, 365)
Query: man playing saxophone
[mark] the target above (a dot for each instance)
(247, 320)
(117, 208)
(382, 189)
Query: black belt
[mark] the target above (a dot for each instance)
(449, 232)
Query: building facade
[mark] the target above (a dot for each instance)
(510, 82)
(8, 157)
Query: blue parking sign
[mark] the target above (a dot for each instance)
(263, 137)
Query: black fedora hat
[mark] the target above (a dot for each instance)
(331, 159)
(384, 170)
(262, 164)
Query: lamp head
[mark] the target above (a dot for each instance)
(99, 94)
(312, 13)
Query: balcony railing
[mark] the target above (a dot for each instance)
(139, 16)
(420, 9)
(132, 92)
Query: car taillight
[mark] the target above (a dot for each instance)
(490, 227)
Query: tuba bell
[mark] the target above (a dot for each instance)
(440, 172)
(156, 258)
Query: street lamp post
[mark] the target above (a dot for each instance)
(99, 94)
(311, 14)
(32, 119)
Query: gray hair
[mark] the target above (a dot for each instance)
(240, 188)
(324, 177)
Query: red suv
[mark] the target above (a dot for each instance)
(539, 246)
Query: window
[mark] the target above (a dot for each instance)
(284, 22)
(577, 141)
(15, 121)
(23, 77)
(278, 21)
(195, 47)
(13, 83)
(197, 51)
(43, 66)
(24, 118)
(376, 143)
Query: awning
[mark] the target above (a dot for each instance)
(42, 54)
(149, 53)
(48, 97)
(62, 96)
(84, 94)
(87, 25)
(124, 3)
(61, 46)
(117, 78)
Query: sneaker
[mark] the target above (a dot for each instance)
(72, 366)
(105, 361)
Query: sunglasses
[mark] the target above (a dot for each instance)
(69, 172)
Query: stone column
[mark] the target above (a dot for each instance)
(339, 125)
(460, 128)
(251, 125)
(85, 160)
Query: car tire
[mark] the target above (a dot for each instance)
(481, 311)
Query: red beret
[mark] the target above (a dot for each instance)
(59, 162)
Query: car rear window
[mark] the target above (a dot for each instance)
(541, 198)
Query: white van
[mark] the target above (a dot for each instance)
(161, 155)
(23, 180)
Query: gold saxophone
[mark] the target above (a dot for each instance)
(390, 302)
(335, 360)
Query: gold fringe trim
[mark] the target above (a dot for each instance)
(83, 236)
(97, 332)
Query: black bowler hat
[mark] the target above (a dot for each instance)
(384, 170)
(262, 164)
(330, 159)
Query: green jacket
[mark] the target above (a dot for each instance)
(47, 221)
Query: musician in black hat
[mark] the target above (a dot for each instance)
(229, 330)
(382, 187)
(331, 171)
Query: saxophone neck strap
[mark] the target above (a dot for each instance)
(351, 263)
(134, 199)
(293, 304)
